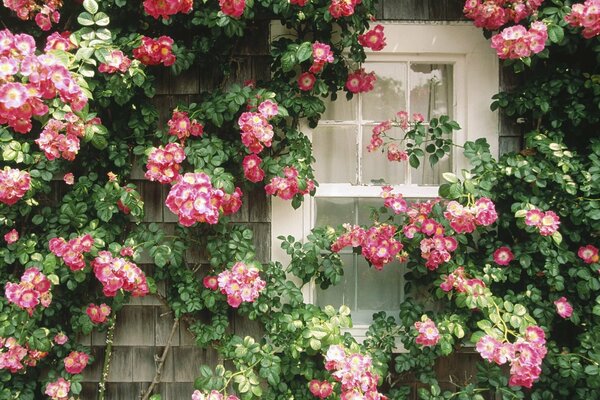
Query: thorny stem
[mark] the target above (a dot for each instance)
(161, 362)
(110, 335)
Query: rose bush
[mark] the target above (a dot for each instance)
(509, 250)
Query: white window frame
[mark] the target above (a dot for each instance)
(476, 80)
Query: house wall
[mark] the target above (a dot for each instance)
(143, 325)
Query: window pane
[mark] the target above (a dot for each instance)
(341, 109)
(426, 175)
(334, 211)
(389, 93)
(344, 292)
(334, 148)
(376, 169)
(378, 290)
(431, 89)
(364, 209)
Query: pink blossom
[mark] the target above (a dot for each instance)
(589, 254)
(98, 314)
(373, 39)
(60, 338)
(12, 236)
(155, 51)
(164, 163)
(563, 307)
(306, 81)
(252, 170)
(241, 283)
(428, 332)
(233, 8)
(503, 256)
(75, 362)
(360, 82)
(166, 8)
(69, 178)
(13, 185)
(183, 127)
(116, 274)
(59, 389)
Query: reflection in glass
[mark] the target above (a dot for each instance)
(340, 110)
(335, 152)
(376, 169)
(344, 292)
(389, 93)
(334, 211)
(431, 90)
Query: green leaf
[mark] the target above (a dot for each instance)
(85, 19)
(304, 51)
(101, 19)
(90, 6)
(555, 33)
(450, 177)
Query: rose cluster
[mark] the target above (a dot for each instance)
(194, 199)
(524, 356)
(378, 130)
(342, 8)
(288, 186)
(233, 8)
(256, 131)
(59, 389)
(116, 273)
(492, 14)
(33, 289)
(354, 372)
(378, 244)
(458, 281)
(320, 389)
(166, 8)
(14, 184)
(546, 222)
(252, 170)
(428, 333)
(26, 80)
(182, 127)
(56, 144)
(321, 54)
(98, 314)
(44, 15)
(71, 252)
(115, 61)
(360, 82)
(518, 42)
(466, 219)
(59, 41)
(436, 250)
(164, 163)
(241, 283)
(373, 39)
(586, 16)
(213, 395)
(14, 357)
(418, 213)
(75, 362)
(394, 202)
(155, 51)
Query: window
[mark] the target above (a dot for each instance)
(432, 69)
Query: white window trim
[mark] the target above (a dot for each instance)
(476, 80)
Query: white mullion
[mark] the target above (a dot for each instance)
(408, 175)
(359, 141)
(355, 260)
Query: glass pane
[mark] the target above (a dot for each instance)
(376, 169)
(364, 209)
(389, 93)
(334, 211)
(334, 148)
(343, 293)
(378, 291)
(431, 89)
(426, 175)
(341, 109)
